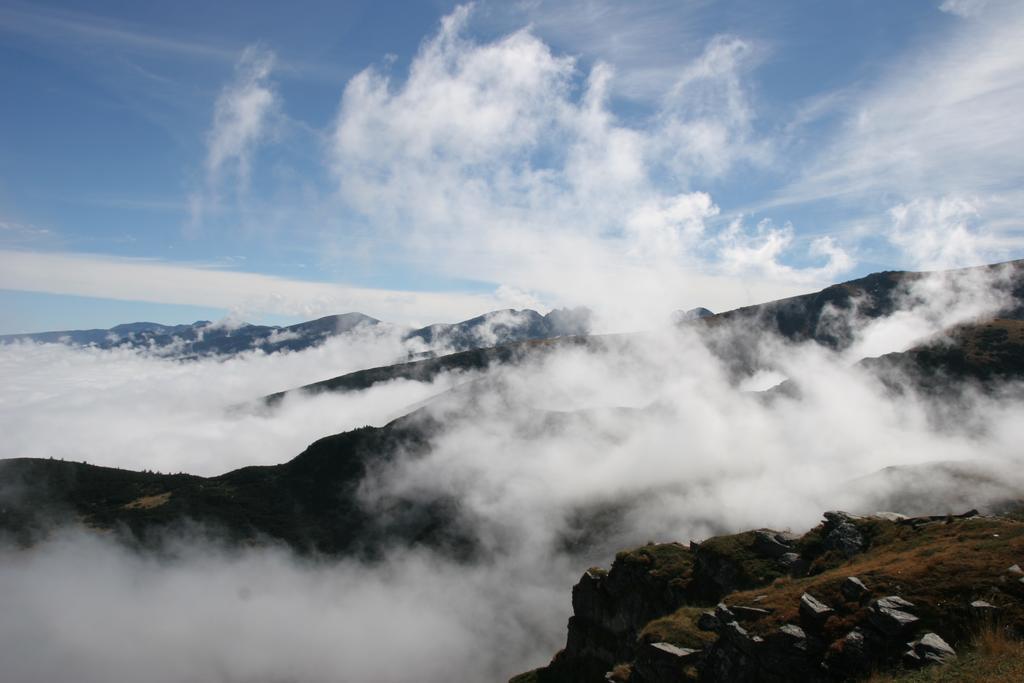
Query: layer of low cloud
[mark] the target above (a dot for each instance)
(502, 161)
(654, 428)
(125, 408)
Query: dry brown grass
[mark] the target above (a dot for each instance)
(678, 628)
(148, 502)
(994, 657)
(940, 567)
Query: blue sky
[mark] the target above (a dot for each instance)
(427, 161)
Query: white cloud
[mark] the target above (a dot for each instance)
(691, 455)
(707, 118)
(942, 233)
(963, 8)
(245, 293)
(242, 118)
(740, 251)
(502, 161)
(173, 416)
(647, 42)
(241, 113)
(943, 120)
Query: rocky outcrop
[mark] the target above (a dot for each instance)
(670, 612)
(842, 534)
(610, 608)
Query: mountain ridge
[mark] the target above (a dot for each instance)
(203, 338)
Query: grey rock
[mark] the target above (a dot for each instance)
(788, 559)
(738, 637)
(933, 649)
(671, 650)
(854, 658)
(745, 613)
(1015, 570)
(853, 589)
(788, 654)
(893, 602)
(838, 516)
(890, 516)
(795, 565)
(732, 657)
(911, 660)
(854, 638)
(656, 662)
(770, 544)
(981, 608)
(813, 612)
(842, 534)
(723, 613)
(892, 622)
(792, 632)
(707, 621)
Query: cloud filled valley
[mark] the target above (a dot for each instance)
(570, 320)
(554, 463)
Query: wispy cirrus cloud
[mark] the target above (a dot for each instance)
(649, 43)
(944, 120)
(52, 24)
(243, 117)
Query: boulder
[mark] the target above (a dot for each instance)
(850, 656)
(657, 662)
(813, 612)
(1015, 570)
(707, 621)
(723, 613)
(892, 622)
(792, 632)
(788, 559)
(788, 654)
(853, 589)
(930, 649)
(732, 657)
(842, 534)
(893, 602)
(771, 543)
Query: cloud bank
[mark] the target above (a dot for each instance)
(556, 465)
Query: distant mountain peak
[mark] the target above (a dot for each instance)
(682, 316)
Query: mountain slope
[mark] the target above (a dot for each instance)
(817, 316)
(829, 316)
(310, 503)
